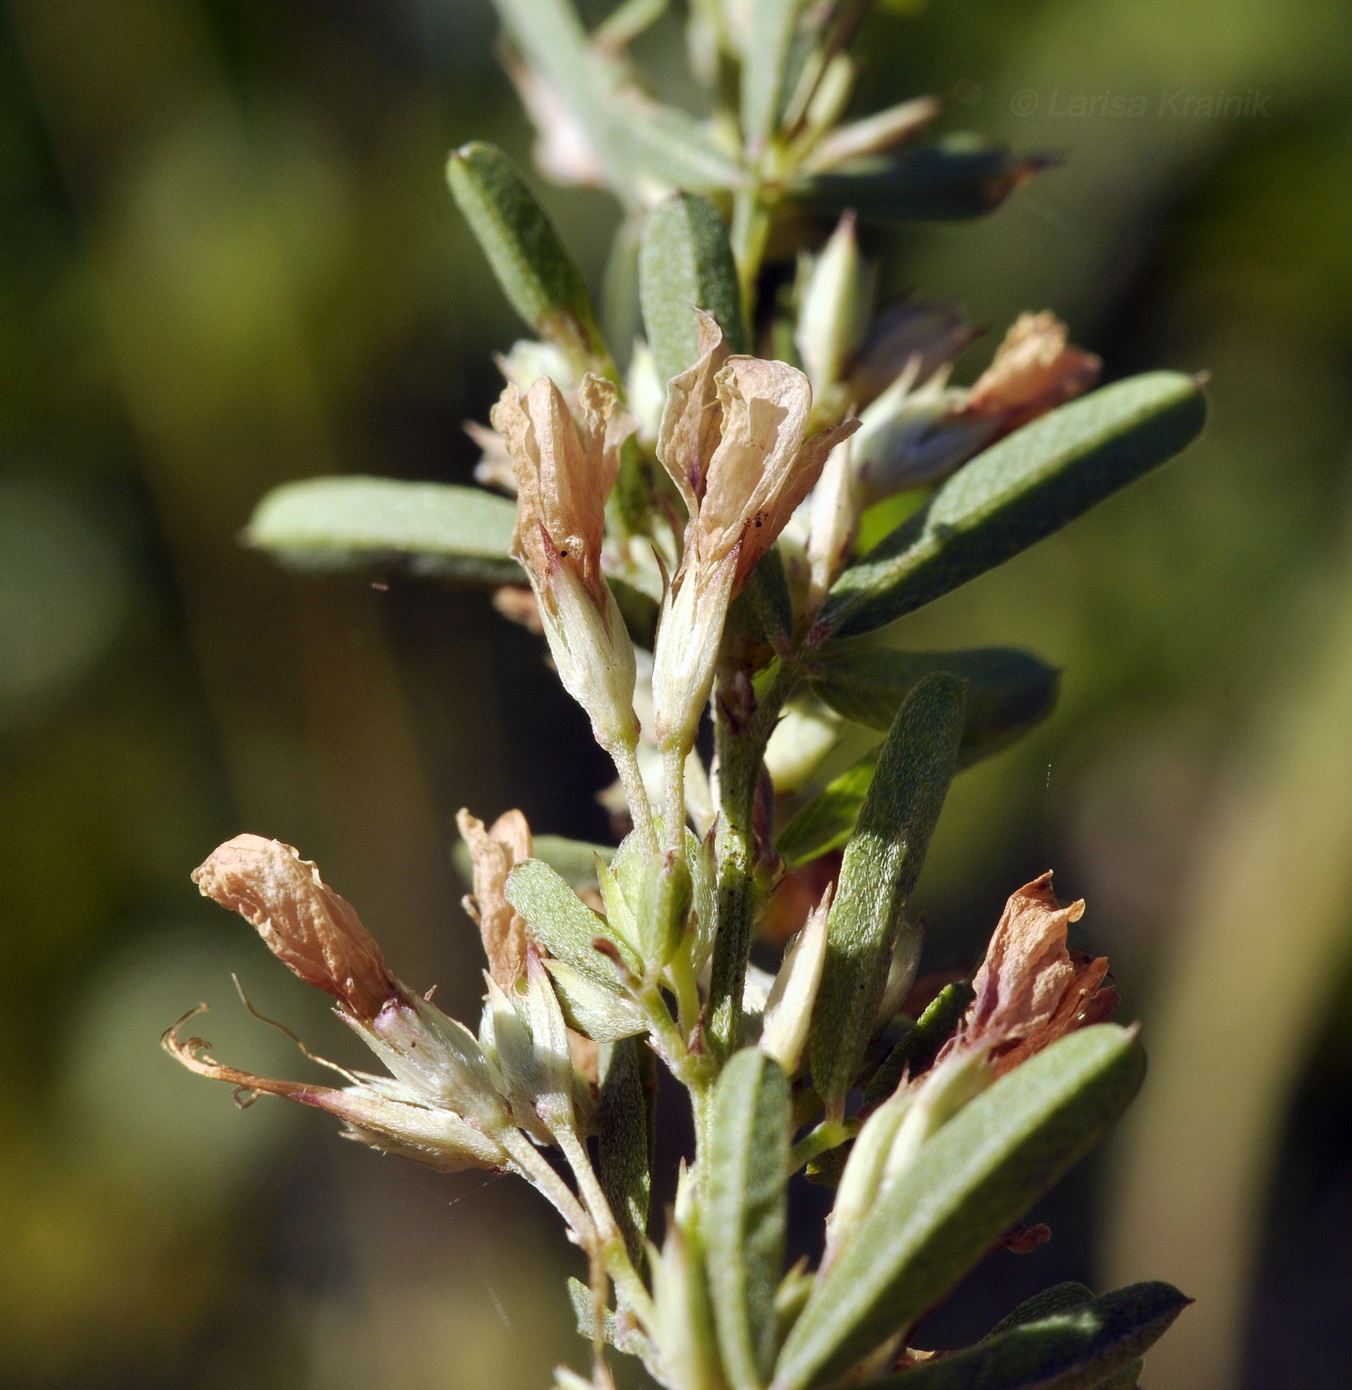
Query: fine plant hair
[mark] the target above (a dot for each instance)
(704, 494)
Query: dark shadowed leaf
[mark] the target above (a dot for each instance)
(1076, 1348)
(958, 178)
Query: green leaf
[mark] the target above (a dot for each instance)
(1008, 690)
(1125, 1379)
(882, 863)
(560, 919)
(599, 1012)
(768, 73)
(686, 264)
(828, 820)
(1018, 491)
(536, 273)
(914, 1053)
(625, 1146)
(673, 148)
(764, 609)
(977, 1176)
(1008, 693)
(958, 178)
(1060, 1298)
(350, 522)
(746, 1211)
(1075, 1348)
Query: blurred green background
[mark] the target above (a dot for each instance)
(227, 259)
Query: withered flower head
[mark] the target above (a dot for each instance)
(1034, 370)
(566, 464)
(494, 852)
(732, 440)
(440, 1105)
(304, 923)
(565, 469)
(374, 1110)
(1030, 990)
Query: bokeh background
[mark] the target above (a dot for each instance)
(227, 259)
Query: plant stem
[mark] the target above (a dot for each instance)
(830, 1134)
(741, 750)
(749, 234)
(673, 778)
(610, 1246)
(625, 757)
(532, 1166)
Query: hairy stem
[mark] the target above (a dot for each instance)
(532, 1166)
(625, 757)
(673, 778)
(741, 750)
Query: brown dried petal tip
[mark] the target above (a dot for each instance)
(495, 852)
(1030, 989)
(304, 923)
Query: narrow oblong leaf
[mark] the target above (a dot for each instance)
(746, 1212)
(673, 148)
(1008, 690)
(768, 72)
(625, 1146)
(881, 865)
(1077, 1348)
(534, 269)
(560, 919)
(685, 264)
(956, 179)
(1025, 487)
(969, 1183)
(348, 523)
(1060, 1298)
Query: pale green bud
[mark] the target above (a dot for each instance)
(667, 896)
(834, 307)
(788, 1011)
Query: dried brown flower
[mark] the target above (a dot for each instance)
(1035, 369)
(566, 462)
(304, 923)
(494, 852)
(732, 440)
(1030, 990)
